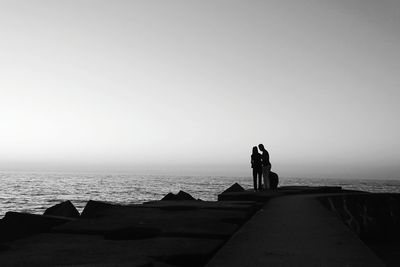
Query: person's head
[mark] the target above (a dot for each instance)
(255, 150)
(261, 147)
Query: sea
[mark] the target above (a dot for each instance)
(34, 192)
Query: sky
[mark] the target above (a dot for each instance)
(189, 87)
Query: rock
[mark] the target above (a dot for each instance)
(249, 206)
(375, 218)
(64, 209)
(234, 188)
(273, 180)
(169, 196)
(50, 249)
(132, 233)
(179, 219)
(15, 225)
(96, 209)
(184, 196)
(180, 196)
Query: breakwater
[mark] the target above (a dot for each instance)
(243, 228)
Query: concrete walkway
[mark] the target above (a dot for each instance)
(294, 231)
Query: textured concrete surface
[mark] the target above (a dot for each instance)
(294, 230)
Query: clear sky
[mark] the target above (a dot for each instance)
(191, 86)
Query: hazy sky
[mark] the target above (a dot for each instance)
(191, 86)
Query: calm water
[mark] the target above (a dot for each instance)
(34, 192)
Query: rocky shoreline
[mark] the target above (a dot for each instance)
(243, 228)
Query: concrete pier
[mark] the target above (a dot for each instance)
(294, 230)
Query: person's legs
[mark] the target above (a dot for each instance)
(266, 170)
(259, 173)
(255, 179)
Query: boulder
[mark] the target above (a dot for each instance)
(180, 196)
(169, 196)
(184, 196)
(16, 225)
(234, 188)
(95, 209)
(273, 180)
(63, 209)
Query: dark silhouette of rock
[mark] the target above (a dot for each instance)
(185, 259)
(133, 233)
(95, 209)
(184, 196)
(273, 180)
(4, 247)
(15, 225)
(63, 209)
(373, 217)
(180, 196)
(234, 188)
(169, 196)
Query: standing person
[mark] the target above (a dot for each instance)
(266, 165)
(257, 168)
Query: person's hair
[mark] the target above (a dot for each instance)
(255, 150)
(261, 146)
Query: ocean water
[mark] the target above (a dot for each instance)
(34, 192)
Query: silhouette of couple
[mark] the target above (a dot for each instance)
(261, 168)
